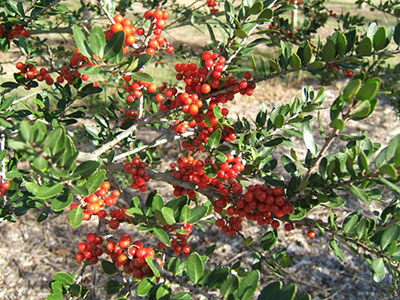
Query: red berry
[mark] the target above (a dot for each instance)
(311, 234)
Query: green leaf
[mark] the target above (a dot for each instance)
(181, 296)
(210, 171)
(341, 44)
(305, 53)
(279, 121)
(361, 111)
(337, 123)
(336, 249)
(97, 42)
(378, 268)
(90, 70)
(229, 286)
(351, 89)
(197, 214)
(80, 41)
(145, 286)
(64, 278)
(308, 138)
(393, 186)
(268, 241)
(109, 267)
(316, 66)
(185, 214)
(194, 267)
(295, 61)
(217, 112)
(86, 169)
(62, 202)
(25, 131)
(142, 77)
(47, 192)
(76, 216)
(274, 290)
(359, 193)
(168, 214)
(369, 89)
(95, 180)
(217, 277)
(390, 170)
(256, 8)
(380, 39)
(385, 237)
(266, 14)
(364, 48)
(240, 33)
(161, 235)
(329, 51)
(113, 287)
(248, 285)
(154, 266)
(396, 35)
(114, 45)
(214, 139)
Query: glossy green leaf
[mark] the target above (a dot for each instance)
(351, 89)
(47, 192)
(248, 285)
(380, 39)
(256, 8)
(145, 286)
(142, 77)
(229, 286)
(62, 202)
(161, 235)
(114, 45)
(364, 48)
(378, 268)
(76, 216)
(95, 180)
(295, 61)
(86, 169)
(266, 14)
(369, 89)
(113, 287)
(214, 139)
(329, 51)
(337, 123)
(80, 41)
(168, 215)
(336, 249)
(97, 42)
(361, 111)
(390, 170)
(108, 267)
(154, 266)
(197, 214)
(64, 278)
(194, 267)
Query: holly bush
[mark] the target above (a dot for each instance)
(86, 131)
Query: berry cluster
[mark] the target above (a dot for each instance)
(90, 250)
(30, 72)
(192, 170)
(212, 4)
(137, 169)
(118, 215)
(94, 204)
(260, 203)
(159, 21)
(179, 244)
(135, 89)
(131, 256)
(4, 185)
(14, 32)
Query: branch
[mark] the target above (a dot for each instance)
(85, 156)
(155, 143)
(104, 9)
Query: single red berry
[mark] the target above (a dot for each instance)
(311, 234)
